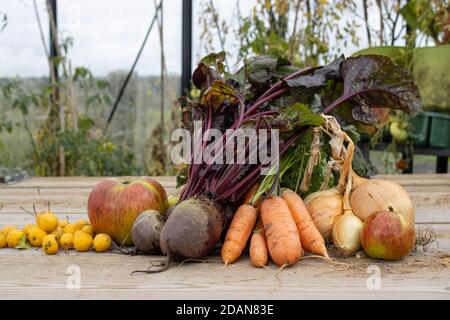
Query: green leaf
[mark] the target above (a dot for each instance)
(212, 59)
(319, 77)
(283, 62)
(246, 26)
(23, 243)
(9, 126)
(85, 123)
(359, 164)
(352, 132)
(96, 98)
(302, 115)
(260, 70)
(23, 106)
(81, 73)
(409, 14)
(106, 99)
(312, 81)
(238, 77)
(102, 84)
(420, 15)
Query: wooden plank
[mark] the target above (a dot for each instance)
(44, 191)
(55, 196)
(76, 201)
(19, 218)
(72, 182)
(431, 200)
(12, 190)
(105, 276)
(412, 177)
(418, 189)
(423, 179)
(69, 195)
(89, 182)
(31, 274)
(430, 216)
(60, 205)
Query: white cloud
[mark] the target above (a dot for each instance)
(107, 34)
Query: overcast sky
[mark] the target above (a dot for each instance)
(107, 34)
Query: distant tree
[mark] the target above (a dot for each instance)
(300, 30)
(58, 122)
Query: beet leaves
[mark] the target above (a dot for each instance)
(269, 93)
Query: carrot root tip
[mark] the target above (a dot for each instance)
(281, 269)
(221, 268)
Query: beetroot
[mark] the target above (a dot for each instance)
(146, 232)
(192, 229)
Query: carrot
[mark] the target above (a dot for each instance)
(283, 240)
(250, 194)
(310, 237)
(237, 235)
(258, 246)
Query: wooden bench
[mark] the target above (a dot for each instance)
(31, 274)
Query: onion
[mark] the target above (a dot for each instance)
(346, 233)
(375, 195)
(325, 207)
(347, 229)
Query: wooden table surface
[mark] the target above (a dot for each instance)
(30, 274)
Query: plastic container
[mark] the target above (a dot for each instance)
(421, 124)
(440, 130)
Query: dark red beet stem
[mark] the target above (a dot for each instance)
(200, 178)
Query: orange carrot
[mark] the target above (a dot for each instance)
(237, 235)
(283, 240)
(310, 237)
(258, 246)
(250, 194)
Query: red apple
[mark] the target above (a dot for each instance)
(114, 204)
(388, 235)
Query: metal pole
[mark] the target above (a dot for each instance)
(130, 73)
(163, 62)
(53, 50)
(186, 53)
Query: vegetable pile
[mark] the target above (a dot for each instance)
(304, 194)
(316, 110)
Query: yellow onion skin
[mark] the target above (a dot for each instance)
(378, 195)
(325, 207)
(346, 234)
